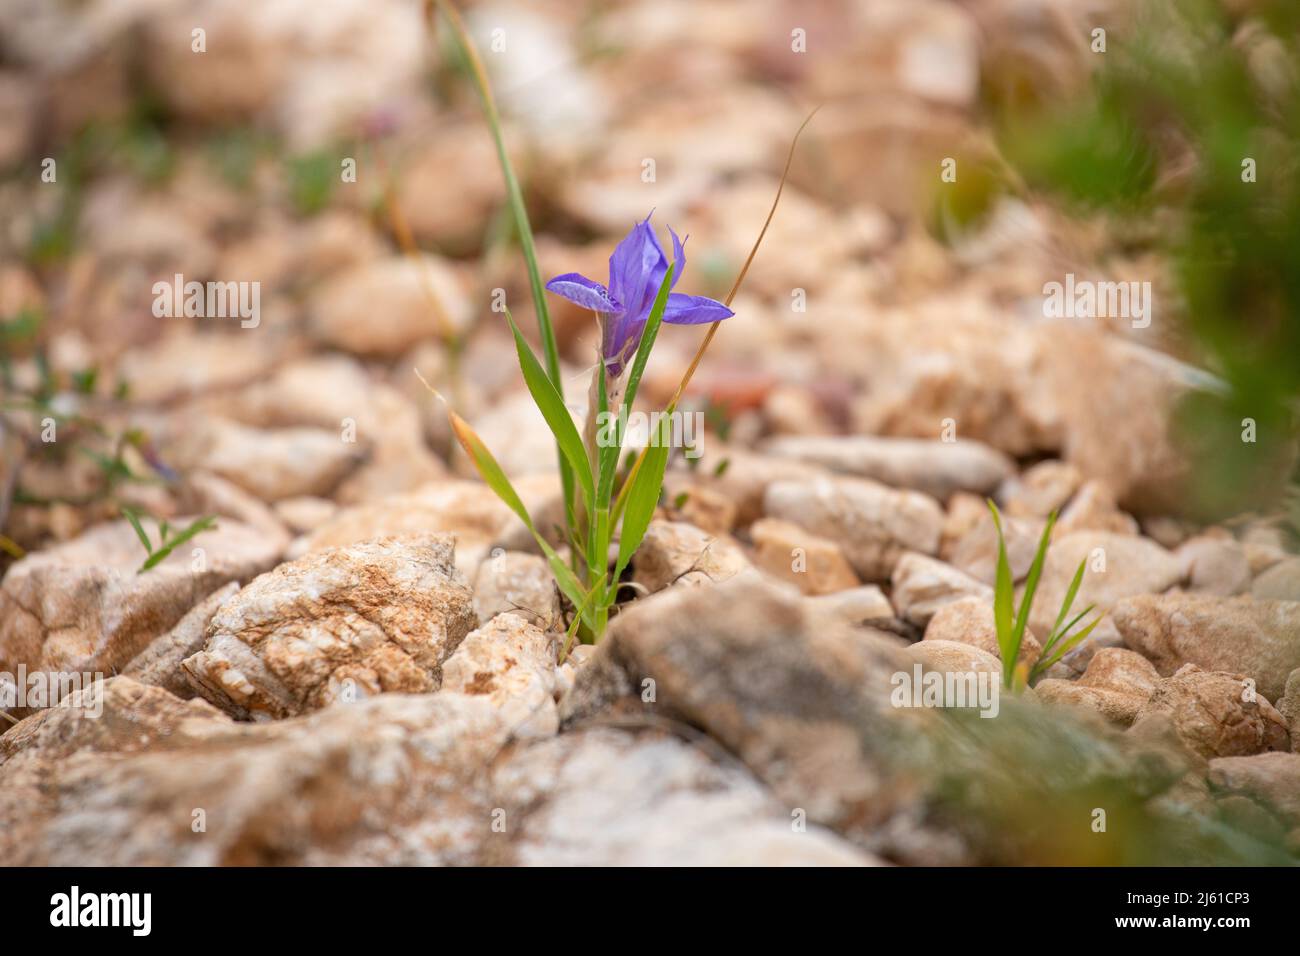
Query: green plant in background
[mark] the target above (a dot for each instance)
(136, 144)
(311, 179)
(1188, 138)
(169, 539)
(1011, 622)
(69, 404)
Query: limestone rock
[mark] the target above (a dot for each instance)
(860, 605)
(393, 780)
(272, 464)
(390, 780)
(1215, 566)
(470, 510)
(383, 308)
(969, 620)
(1041, 489)
(602, 797)
(1260, 639)
(700, 504)
(956, 657)
(976, 552)
(1133, 565)
(1216, 714)
(81, 606)
(922, 585)
(676, 553)
(873, 524)
(159, 664)
(339, 624)
(1281, 582)
(512, 663)
(510, 581)
(1116, 685)
(1093, 508)
(936, 468)
(805, 707)
(812, 563)
(1288, 706)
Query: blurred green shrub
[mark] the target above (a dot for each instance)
(1188, 138)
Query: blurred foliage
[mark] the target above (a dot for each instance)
(136, 145)
(1187, 106)
(234, 154)
(1025, 788)
(311, 181)
(966, 201)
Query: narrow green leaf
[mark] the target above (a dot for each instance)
(1003, 604)
(1057, 635)
(132, 517)
(642, 497)
(551, 404)
(1031, 581)
(496, 479)
(523, 228)
(196, 526)
(578, 617)
(1069, 645)
(1070, 595)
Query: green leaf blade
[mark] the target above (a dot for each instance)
(134, 519)
(1032, 579)
(643, 498)
(551, 404)
(1003, 604)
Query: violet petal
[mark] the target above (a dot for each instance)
(694, 310)
(584, 292)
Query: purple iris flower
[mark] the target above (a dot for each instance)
(636, 270)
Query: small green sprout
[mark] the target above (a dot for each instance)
(1011, 622)
(167, 541)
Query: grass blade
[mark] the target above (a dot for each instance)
(551, 404)
(643, 496)
(496, 479)
(1070, 595)
(1003, 604)
(519, 211)
(1070, 644)
(1057, 635)
(196, 526)
(1031, 582)
(132, 517)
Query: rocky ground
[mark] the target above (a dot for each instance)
(361, 662)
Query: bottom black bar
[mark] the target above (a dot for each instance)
(337, 906)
